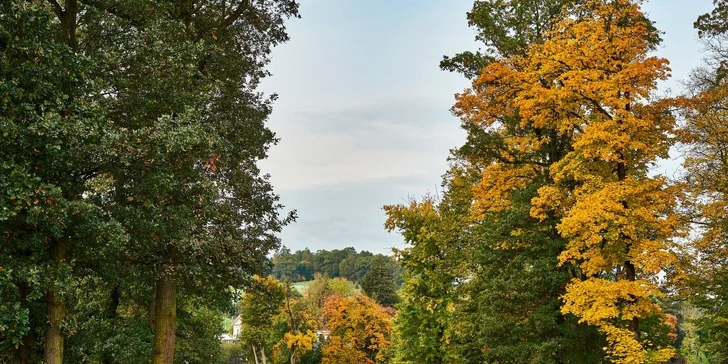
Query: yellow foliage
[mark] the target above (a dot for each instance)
(493, 191)
(587, 93)
(359, 330)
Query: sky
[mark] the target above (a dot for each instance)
(363, 110)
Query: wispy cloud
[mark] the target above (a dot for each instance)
(373, 142)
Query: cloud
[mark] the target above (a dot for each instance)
(377, 140)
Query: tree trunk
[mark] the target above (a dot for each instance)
(634, 325)
(53, 348)
(255, 354)
(165, 321)
(262, 355)
(629, 268)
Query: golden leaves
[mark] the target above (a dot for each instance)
(493, 192)
(596, 300)
(578, 111)
(619, 221)
(360, 330)
(601, 302)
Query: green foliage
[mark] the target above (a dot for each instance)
(505, 28)
(514, 305)
(379, 283)
(303, 265)
(129, 139)
(424, 313)
(198, 333)
(342, 287)
(53, 138)
(318, 290)
(258, 308)
(713, 23)
(232, 353)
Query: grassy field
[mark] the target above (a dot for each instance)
(301, 286)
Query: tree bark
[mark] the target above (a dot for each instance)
(262, 355)
(631, 274)
(165, 321)
(151, 311)
(255, 354)
(53, 348)
(629, 268)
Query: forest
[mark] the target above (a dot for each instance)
(302, 265)
(136, 223)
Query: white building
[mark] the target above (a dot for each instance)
(237, 325)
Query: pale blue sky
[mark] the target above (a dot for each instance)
(363, 113)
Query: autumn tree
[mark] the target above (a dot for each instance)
(301, 323)
(260, 305)
(482, 282)
(591, 83)
(705, 134)
(359, 330)
(278, 324)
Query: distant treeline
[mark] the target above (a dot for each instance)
(346, 263)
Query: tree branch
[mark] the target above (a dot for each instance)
(56, 7)
(597, 105)
(228, 21)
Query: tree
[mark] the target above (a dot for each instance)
(285, 265)
(592, 80)
(355, 266)
(341, 287)
(53, 140)
(425, 315)
(188, 190)
(526, 117)
(481, 280)
(379, 282)
(359, 330)
(140, 124)
(706, 135)
(278, 324)
(301, 324)
(258, 309)
(318, 291)
(713, 24)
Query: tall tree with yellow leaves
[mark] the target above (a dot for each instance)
(596, 75)
(585, 95)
